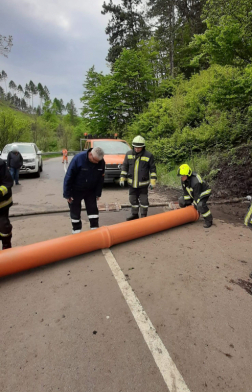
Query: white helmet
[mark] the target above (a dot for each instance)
(138, 141)
(14, 148)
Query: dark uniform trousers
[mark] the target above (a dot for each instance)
(202, 207)
(139, 197)
(89, 198)
(5, 228)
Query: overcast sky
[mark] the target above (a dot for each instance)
(55, 42)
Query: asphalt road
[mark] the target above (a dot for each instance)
(160, 313)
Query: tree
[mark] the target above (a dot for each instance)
(27, 95)
(5, 45)
(58, 106)
(175, 22)
(126, 28)
(12, 86)
(72, 111)
(2, 95)
(4, 78)
(23, 104)
(46, 94)
(33, 90)
(20, 89)
(112, 101)
(41, 93)
(228, 37)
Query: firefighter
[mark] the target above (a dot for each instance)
(248, 216)
(139, 170)
(196, 192)
(65, 157)
(83, 181)
(6, 183)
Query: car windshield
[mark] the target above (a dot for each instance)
(22, 148)
(112, 148)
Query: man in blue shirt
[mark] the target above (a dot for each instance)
(84, 181)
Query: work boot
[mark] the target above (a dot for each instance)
(132, 217)
(143, 216)
(207, 224)
(6, 242)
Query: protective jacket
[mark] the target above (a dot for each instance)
(84, 175)
(6, 183)
(195, 188)
(138, 169)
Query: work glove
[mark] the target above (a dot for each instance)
(121, 182)
(152, 184)
(249, 198)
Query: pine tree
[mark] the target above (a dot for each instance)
(20, 89)
(12, 86)
(126, 27)
(41, 93)
(46, 94)
(4, 78)
(72, 111)
(2, 95)
(33, 90)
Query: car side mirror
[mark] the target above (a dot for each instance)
(39, 152)
(0, 152)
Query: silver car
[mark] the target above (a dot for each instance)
(31, 155)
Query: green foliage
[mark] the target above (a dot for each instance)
(50, 131)
(228, 37)
(111, 101)
(211, 111)
(126, 27)
(13, 126)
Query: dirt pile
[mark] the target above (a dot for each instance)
(234, 174)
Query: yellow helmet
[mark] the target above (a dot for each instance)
(184, 170)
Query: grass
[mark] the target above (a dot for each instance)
(200, 164)
(45, 157)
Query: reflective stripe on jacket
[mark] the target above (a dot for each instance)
(195, 188)
(138, 169)
(6, 183)
(248, 217)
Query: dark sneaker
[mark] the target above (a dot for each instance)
(18, 183)
(132, 217)
(207, 224)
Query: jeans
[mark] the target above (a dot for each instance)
(15, 174)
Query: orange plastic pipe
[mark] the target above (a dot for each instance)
(30, 256)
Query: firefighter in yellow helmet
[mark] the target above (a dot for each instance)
(139, 170)
(196, 192)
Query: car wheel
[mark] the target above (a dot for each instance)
(41, 167)
(38, 173)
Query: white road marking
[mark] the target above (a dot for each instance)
(167, 367)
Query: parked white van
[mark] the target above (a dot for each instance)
(31, 155)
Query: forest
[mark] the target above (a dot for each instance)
(179, 74)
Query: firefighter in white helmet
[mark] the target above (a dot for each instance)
(139, 171)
